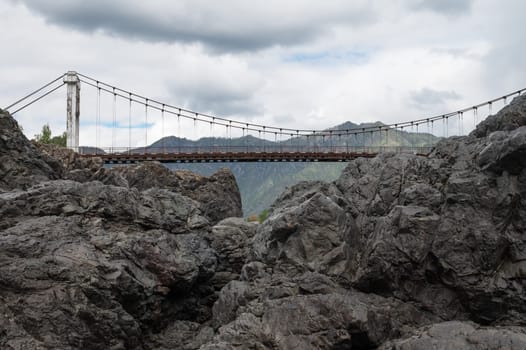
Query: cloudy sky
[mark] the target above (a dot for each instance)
(291, 63)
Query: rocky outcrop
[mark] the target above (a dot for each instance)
(21, 165)
(509, 118)
(218, 194)
(461, 335)
(98, 263)
(69, 159)
(87, 265)
(308, 230)
(505, 152)
(230, 238)
(443, 235)
(274, 311)
(440, 231)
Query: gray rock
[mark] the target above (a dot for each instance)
(230, 238)
(505, 153)
(461, 335)
(308, 229)
(143, 258)
(150, 209)
(87, 266)
(307, 312)
(509, 118)
(69, 159)
(21, 164)
(440, 230)
(218, 194)
(183, 335)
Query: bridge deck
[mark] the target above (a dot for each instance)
(123, 158)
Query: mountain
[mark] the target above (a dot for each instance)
(261, 183)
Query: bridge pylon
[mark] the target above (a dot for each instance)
(73, 110)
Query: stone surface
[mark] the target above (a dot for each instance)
(441, 238)
(439, 231)
(89, 262)
(505, 152)
(88, 265)
(69, 159)
(461, 335)
(509, 118)
(308, 311)
(21, 165)
(218, 194)
(230, 238)
(308, 230)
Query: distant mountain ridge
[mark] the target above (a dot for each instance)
(398, 138)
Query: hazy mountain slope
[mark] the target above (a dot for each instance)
(261, 183)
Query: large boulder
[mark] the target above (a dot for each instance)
(446, 231)
(505, 152)
(101, 264)
(509, 118)
(461, 335)
(218, 194)
(230, 239)
(21, 165)
(88, 265)
(308, 311)
(70, 160)
(308, 229)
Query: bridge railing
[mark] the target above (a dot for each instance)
(270, 149)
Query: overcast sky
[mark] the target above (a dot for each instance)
(291, 63)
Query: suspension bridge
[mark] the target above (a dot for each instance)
(229, 140)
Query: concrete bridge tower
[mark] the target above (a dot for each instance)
(73, 110)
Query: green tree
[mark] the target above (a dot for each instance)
(59, 140)
(46, 137)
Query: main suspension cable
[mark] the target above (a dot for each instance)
(38, 98)
(33, 93)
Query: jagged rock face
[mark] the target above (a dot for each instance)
(440, 231)
(218, 193)
(509, 118)
(21, 165)
(505, 152)
(70, 160)
(230, 238)
(461, 335)
(86, 265)
(89, 262)
(309, 311)
(308, 230)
